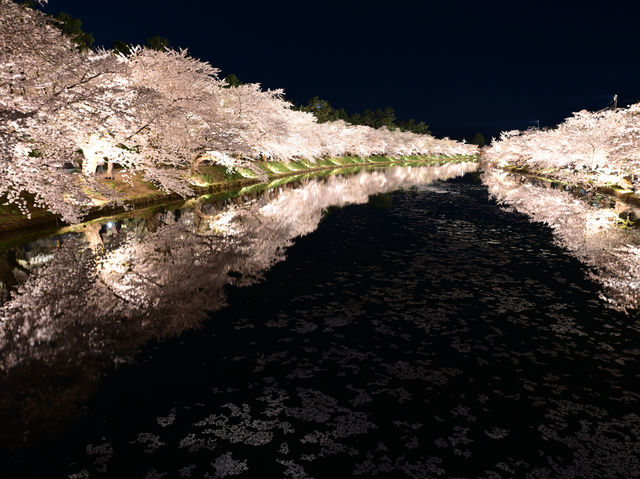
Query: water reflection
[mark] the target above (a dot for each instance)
(84, 300)
(602, 232)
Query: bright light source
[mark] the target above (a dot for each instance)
(110, 224)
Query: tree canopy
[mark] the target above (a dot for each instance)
(478, 139)
(73, 28)
(154, 111)
(232, 81)
(324, 111)
(122, 48)
(157, 42)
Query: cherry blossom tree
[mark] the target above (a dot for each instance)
(154, 113)
(600, 147)
(50, 99)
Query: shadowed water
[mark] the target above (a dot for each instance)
(427, 333)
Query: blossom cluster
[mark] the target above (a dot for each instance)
(600, 147)
(155, 113)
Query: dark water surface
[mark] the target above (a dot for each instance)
(427, 333)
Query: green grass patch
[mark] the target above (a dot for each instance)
(246, 172)
(323, 162)
(296, 165)
(212, 174)
(275, 167)
(333, 162)
(341, 160)
(310, 163)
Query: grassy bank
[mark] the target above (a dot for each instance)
(134, 193)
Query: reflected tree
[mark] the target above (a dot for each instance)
(99, 296)
(598, 236)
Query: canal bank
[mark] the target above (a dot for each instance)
(211, 179)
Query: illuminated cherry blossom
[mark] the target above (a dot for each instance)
(599, 148)
(156, 113)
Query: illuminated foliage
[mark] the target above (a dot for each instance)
(151, 110)
(601, 148)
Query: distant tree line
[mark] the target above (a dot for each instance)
(324, 111)
(478, 139)
(72, 27)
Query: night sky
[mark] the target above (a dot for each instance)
(459, 67)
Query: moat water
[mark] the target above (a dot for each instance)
(403, 322)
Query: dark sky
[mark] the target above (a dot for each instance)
(460, 67)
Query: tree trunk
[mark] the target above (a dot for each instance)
(109, 169)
